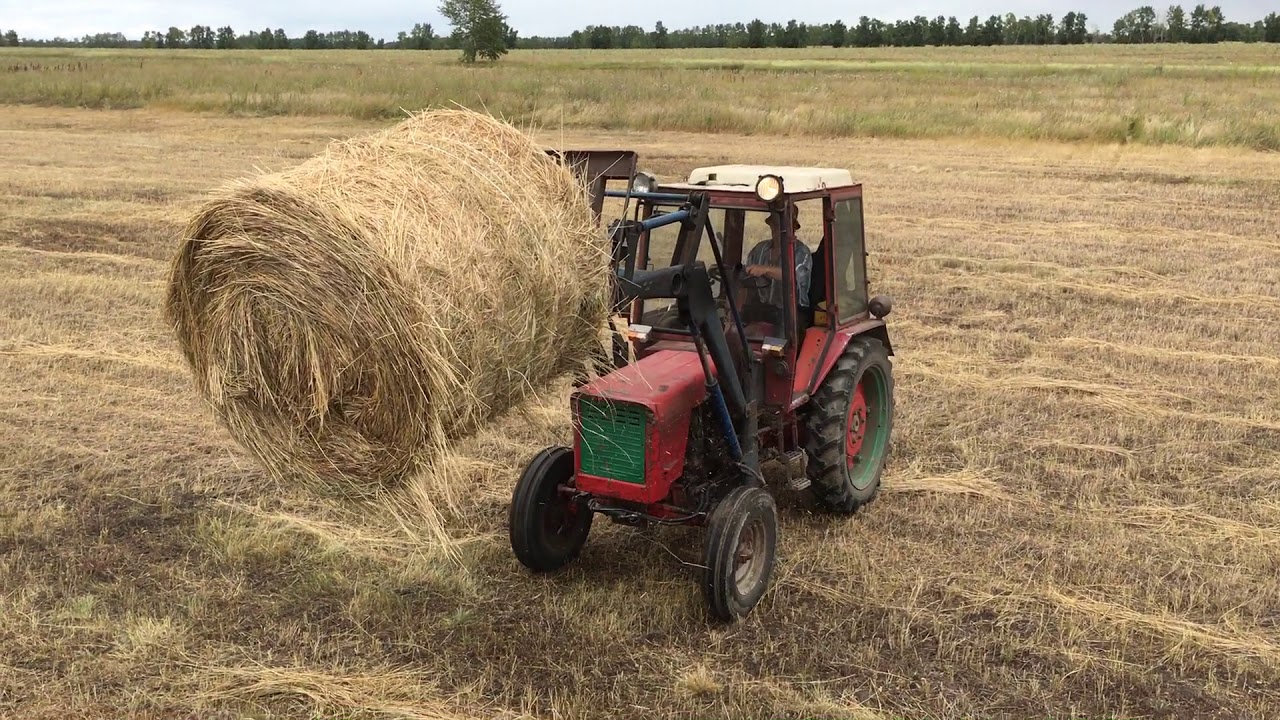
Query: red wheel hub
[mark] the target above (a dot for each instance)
(562, 512)
(857, 424)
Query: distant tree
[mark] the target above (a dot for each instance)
(1175, 24)
(658, 38)
(281, 39)
(954, 33)
(837, 34)
(870, 33)
(226, 38)
(421, 37)
(1009, 30)
(757, 34)
(936, 34)
(600, 37)
(1270, 31)
(1136, 26)
(793, 36)
(1073, 30)
(1043, 34)
(1214, 22)
(479, 28)
(1199, 23)
(175, 38)
(201, 37)
(11, 38)
(992, 32)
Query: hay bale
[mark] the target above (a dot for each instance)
(347, 316)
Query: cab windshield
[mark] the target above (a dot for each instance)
(751, 250)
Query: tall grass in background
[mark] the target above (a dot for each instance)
(1144, 94)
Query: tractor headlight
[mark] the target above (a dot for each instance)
(643, 182)
(769, 187)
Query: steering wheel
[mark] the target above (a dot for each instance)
(740, 275)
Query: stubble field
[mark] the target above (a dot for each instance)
(1081, 516)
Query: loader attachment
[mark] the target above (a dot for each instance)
(595, 168)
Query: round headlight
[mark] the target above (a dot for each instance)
(769, 187)
(643, 182)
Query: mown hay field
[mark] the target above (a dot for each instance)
(1081, 518)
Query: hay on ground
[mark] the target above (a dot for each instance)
(347, 316)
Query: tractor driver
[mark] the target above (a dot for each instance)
(764, 305)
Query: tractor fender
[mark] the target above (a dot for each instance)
(822, 348)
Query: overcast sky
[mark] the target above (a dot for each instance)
(384, 18)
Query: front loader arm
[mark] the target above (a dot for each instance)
(690, 287)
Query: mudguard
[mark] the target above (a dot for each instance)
(822, 348)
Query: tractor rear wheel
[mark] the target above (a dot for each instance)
(741, 545)
(849, 423)
(547, 527)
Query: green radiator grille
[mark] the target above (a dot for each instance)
(613, 439)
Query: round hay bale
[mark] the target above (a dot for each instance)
(347, 316)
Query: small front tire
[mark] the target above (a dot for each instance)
(741, 547)
(547, 527)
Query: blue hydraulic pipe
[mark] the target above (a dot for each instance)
(656, 197)
(664, 220)
(726, 423)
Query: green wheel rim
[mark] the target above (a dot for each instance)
(867, 428)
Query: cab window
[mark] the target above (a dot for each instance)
(850, 261)
(661, 312)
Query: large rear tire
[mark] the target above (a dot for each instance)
(849, 424)
(547, 527)
(741, 546)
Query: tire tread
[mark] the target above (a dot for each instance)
(824, 424)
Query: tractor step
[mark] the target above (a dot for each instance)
(796, 463)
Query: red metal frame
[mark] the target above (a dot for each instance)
(822, 347)
(669, 384)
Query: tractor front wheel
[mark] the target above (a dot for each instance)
(742, 541)
(848, 424)
(548, 527)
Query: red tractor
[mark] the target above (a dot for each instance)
(730, 353)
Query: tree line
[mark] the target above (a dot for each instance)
(494, 37)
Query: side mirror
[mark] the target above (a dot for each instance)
(880, 306)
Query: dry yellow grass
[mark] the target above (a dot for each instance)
(1080, 519)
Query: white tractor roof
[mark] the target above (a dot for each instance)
(744, 177)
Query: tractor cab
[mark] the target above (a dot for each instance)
(791, 242)
(744, 331)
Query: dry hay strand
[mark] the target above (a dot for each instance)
(964, 482)
(1119, 292)
(1161, 624)
(1160, 353)
(1191, 522)
(382, 692)
(348, 317)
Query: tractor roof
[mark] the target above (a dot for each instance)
(742, 178)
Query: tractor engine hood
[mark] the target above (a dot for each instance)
(669, 382)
